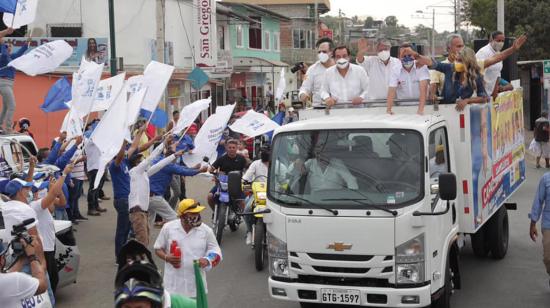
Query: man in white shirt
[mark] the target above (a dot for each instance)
(496, 42)
(408, 81)
(311, 87)
(344, 82)
(196, 242)
(378, 68)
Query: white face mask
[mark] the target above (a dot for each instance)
(342, 63)
(384, 55)
(323, 57)
(497, 46)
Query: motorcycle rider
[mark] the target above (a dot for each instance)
(257, 171)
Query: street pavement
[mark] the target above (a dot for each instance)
(517, 281)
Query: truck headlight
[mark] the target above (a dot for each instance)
(278, 256)
(409, 261)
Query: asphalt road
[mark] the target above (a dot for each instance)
(517, 281)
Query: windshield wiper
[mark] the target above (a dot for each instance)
(358, 200)
(334, 212)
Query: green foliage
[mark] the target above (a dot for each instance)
(521, 16)
(391, 21)
(369, 22)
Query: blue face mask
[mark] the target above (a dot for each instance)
(407, 61)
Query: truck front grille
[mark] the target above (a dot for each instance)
(345, 281)
(348, 270)
(340, 257)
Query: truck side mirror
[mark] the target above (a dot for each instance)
(234, 183)
(447, 186)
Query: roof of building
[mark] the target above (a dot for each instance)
(256, 8)
(323, 5)
(224, 10)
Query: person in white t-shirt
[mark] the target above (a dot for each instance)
(196, 242)
(257, 171)
(15, 287)
(408, 81)
(492, 73)
(46, 195)
(378, 68)
(311, 87)
(344, 82)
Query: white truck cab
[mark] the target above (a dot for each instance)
(369, 209)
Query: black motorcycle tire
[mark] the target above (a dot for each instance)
(220, 222)
(259, 245)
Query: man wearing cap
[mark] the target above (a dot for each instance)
(195, 240)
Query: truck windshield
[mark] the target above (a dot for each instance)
(334, 168)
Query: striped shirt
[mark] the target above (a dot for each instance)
(79, 172)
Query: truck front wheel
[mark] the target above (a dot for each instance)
(498, 233)
(444, 300)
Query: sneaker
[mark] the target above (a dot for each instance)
(248, 238)
(80, 217)
(101, 210)
(93, 213)
(538, 166)
(105, 198)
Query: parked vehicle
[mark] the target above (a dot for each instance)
(372, 209)
(226, 210)
(257, 190)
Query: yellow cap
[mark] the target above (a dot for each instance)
(189, 206)
(439, 148)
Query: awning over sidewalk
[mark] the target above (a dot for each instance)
(256, 65)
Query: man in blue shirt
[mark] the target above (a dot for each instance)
(541, 207)
(7, 77)
(161, 180)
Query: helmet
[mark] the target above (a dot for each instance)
(24, 123)
(139, 281)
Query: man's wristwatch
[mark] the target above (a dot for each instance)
(33, 258)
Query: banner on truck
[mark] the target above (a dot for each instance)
(498, 152)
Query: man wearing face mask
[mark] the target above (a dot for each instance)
(344, 82)
(195, 240)
(311, 88)
(378, 68)
(408, 81)
(496, 42)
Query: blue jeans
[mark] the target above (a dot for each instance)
(60, 214)
(122, 224)
(74, 195)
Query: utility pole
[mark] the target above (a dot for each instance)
(316, 21)
(433, 32)
(160, 12)
(500, 15)
(112, 37)
(457, 16)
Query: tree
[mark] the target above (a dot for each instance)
(521, 16)
(369, 22)
(355, 20)
(391, 21)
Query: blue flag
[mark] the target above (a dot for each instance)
(159, 118)
(8, 6)
(279, 118)
(58, 96)
(198, 78)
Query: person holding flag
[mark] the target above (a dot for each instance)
(183, 242)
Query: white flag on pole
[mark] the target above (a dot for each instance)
(134, 84)
(84, 88)
(156, 77)
(280, 91)
(109, 134)
(190, 112)
(254, 124)
(209, 136)
(134, 105)
(25, 13)
(43, 59)
(72, 124)
(107, 92)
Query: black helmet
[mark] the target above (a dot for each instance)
(24, 123)
(139, 281)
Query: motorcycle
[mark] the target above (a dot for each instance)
(227, 210)
(258, 191)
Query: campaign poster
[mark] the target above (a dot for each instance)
(93, 49)
(498, 152)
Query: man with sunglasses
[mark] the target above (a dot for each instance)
(311, 87)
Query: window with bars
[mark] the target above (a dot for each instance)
(255, 36)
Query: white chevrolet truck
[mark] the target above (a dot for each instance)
(371, 209)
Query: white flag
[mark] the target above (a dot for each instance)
(134, 84)
(107, 92)
(134, 105)
(85, 85)
(190, 112)
(156, 77)
(25, 13)
(280, 91)
(72, 124)
(43, 59)
(209, 136)
(109, 134)
(254, 124)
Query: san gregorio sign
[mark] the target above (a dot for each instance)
(205, 32)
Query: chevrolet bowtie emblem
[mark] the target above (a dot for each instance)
(339, 246)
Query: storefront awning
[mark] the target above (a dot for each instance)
(253, 64)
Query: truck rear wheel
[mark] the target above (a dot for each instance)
(498, 233)
(480, 242)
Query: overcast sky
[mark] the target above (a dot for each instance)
(402, 9)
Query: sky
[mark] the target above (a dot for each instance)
(404, 10)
